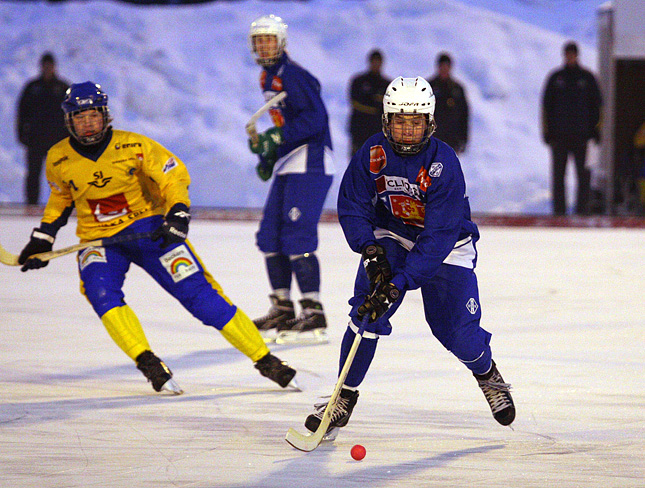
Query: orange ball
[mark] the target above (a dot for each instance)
(358, 452)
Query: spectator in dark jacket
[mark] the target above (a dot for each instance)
(366, 94)
(40, 121)
(570, 117)
(451, 109)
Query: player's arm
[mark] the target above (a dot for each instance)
(442, 225)
(306, 103)
(356, 211)
(57, 211)
(171, 176)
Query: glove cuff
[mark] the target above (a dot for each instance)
(39, 234)
(179, 211)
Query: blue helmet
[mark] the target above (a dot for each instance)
(86, 96)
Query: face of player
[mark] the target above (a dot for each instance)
(87, 123)
(408, 128)
(266, 46)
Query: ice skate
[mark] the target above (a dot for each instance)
(309, 327)
(498, 395)
(157, 373)
(280, 312)
(277, 370)
(339, 417)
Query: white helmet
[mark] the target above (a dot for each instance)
(268, 25)
(409, 96)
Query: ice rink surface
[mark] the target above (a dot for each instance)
(565, 307)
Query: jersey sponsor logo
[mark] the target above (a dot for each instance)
(386, 183)
(54, 186)
(99, 180)
(59, 161)
(170, 164)
(409, 210)
(423, 179)
(110, 208)
(276, 84)
(378, 159)
(472, 306)
(179, 263)
(127, 145)
(91, 255)
(435, 170)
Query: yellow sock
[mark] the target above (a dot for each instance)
(244, 336)
(125, 329)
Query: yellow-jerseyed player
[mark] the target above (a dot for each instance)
(125, 183)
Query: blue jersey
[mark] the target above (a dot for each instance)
(303, 118)
(418, 200)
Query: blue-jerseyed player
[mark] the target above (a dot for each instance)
(297, 151)
(402, 205)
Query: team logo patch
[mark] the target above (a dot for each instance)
(109, 208)
(294, 214)
(435, 170)
(179, 263)
(378, 160)
(472, 306)
(409, 210)
(423, 179)
(91, 255)
(170, 164)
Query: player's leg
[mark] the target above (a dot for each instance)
(278, 264)
(367, 347)
(453, 311)
(102, 272)
(304, 197)
(180, 271)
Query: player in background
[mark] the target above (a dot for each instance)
(123, 183)
(402, 206)
(297, 151)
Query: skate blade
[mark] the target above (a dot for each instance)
(293, 384)
(316, 336)
(269, 336)
(172, 387)
(331, 435)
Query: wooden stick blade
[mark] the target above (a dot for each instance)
(305, 442)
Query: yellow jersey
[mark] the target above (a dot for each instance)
(133, 178)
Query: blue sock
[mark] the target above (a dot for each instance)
(279, 271)
(307, 271)
(362, 360)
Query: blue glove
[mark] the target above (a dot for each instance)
(174, 230)
(39, 242)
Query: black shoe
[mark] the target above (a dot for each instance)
(276, 370)
(498, 395)
(280, 312)
(157, 372)
(339, 417)
(310, 326)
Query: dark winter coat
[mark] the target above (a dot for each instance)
(450, 113)
(40, 121)
(571, 105)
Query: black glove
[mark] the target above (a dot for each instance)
(595, 135)
(377, 303)
(376, 265)
(39, 242)
(174, 230)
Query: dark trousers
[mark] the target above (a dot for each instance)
(560, 151)
(35, 159)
